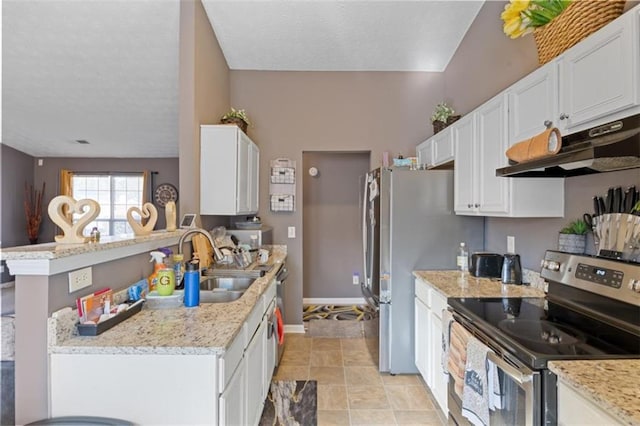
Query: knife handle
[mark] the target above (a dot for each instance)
(609, 201)
(601, 207)
(617, 200)
(596, 207)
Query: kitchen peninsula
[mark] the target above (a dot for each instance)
(42, 288)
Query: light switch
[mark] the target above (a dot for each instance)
(511, 244)
(292, 232)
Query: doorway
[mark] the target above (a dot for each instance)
(332, 235)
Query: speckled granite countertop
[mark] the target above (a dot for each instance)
(613, 385)
(453, 284)
(56, 251)
(206, 329)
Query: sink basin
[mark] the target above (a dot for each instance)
(220, 296)
(226, 283)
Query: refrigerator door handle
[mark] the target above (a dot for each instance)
(365, 236)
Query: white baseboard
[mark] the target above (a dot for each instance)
(293, 328)
(334, 301)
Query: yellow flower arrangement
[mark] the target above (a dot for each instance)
(523, 16)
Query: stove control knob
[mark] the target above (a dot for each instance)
(634, 285)
(551, 265)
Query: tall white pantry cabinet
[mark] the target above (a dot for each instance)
(229, 171)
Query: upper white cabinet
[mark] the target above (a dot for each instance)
(599, 76)
(533, 102)
(481, 139)
(436, 150)
(229, 170)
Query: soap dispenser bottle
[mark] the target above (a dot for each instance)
(157, 257)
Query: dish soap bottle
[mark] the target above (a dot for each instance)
(462, 258)
(178, 269)
(166, 283)
(157, 257)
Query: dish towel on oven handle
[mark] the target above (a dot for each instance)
(475, 391)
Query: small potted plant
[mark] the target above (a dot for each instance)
(237, 117)
(573, 237)
(443, 116)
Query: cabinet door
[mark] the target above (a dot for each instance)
(532, 102)
(421, 329)
(439, 381)
(218, 166)
(254, 178)
(254, 362)
(424, 152)
(598, 74)
(232, 400)
(243, 175)
(464, 137)
(491, 146)
(443, 148)
(575, 409)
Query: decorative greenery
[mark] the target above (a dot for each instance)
(636, 208)
(236, 113)
(523, 16)
(33, 210)
(442, 112)
(577, 227)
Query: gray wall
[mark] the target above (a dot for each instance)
(534, 236)
(332, 240)
(49, 172)
(16, 170)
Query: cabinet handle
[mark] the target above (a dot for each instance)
(564, 116)
(469, 205)
(548, 124)
(476, 205)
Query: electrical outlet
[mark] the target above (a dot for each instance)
(79, 279)
(291, 231)
(511, 244)
(356, 278)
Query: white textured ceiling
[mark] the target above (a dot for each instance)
(344, 35)
(106, 71)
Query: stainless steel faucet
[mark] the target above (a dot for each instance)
(217, 254)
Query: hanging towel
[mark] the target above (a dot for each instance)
(280, 326)
(447, 319)
(457, 356)
(475, 393)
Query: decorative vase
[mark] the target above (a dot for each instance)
(572, 243)
(33, 240)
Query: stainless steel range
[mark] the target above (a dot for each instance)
(591, 311)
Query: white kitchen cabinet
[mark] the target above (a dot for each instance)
(600, 75)
(422, 330)
(255, 374)
(443, 148)
(481, 139)
(575, 409)
(229, 170)
(429, 304)
(424, 152)
(436, 150)
(533, 102)
(232, 399)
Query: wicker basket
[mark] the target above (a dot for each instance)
(237, 121)
(580, 19)
(439, 126)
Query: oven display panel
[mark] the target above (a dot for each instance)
(595, 274)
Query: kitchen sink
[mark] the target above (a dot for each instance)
(226, 283)
(220, 296)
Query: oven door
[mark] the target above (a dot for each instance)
(520, 386)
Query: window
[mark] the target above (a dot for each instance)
(115, 194)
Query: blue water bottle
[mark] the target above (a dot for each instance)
(191, 285)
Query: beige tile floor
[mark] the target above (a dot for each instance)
(351, 391)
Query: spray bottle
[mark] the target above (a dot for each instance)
(157, 257)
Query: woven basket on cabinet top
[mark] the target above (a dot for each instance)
(580, 19)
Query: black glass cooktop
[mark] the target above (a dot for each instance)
(537, 330)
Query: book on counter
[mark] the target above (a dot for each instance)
(91, 306)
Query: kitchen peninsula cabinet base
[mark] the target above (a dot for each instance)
(144, 389)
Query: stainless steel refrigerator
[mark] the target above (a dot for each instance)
(408, 224)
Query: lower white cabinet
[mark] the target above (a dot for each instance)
(429, 304)
(232, 399)
(575, 409)
(255, 375)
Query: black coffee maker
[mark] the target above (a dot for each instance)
(511, 269)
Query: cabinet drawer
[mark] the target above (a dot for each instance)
(422, 292)
(438, 303)
(254, 318)
(231, 358)
(269, 294)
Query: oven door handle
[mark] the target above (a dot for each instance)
(519, 375)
